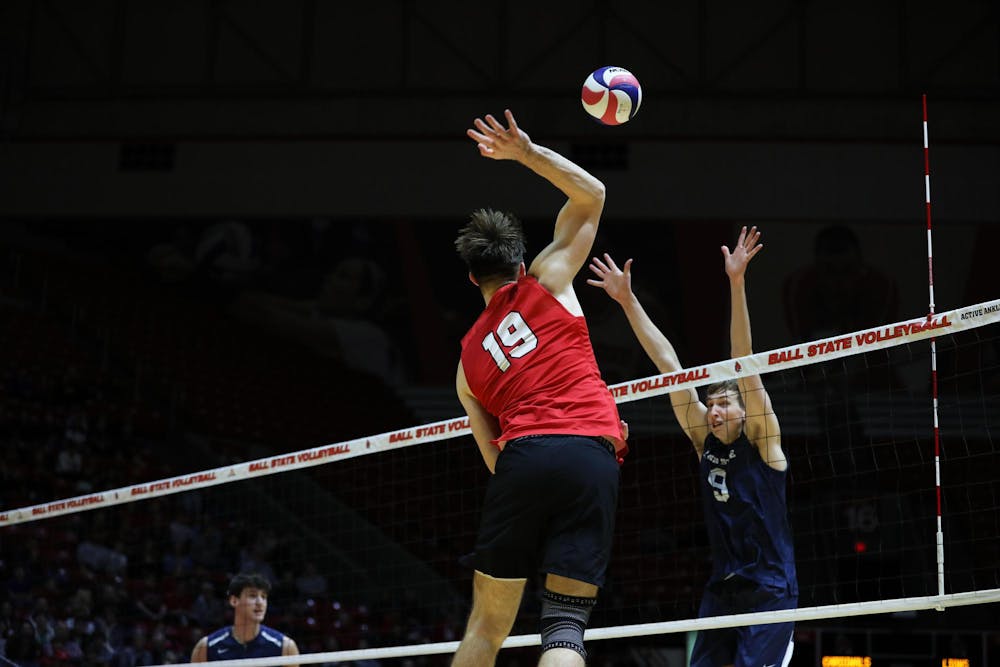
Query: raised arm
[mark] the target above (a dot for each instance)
(576, 225)
(762, 426)
(690, 411)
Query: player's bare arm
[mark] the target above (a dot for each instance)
(576, 224)
(200, 652)
(617, 283)
(289, 647)
(762, 427)
(485, 427)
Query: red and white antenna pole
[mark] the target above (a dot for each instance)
(934, 384)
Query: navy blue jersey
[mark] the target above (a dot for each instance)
(223, 646)
(746, 516)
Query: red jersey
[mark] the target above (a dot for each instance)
(530, 363)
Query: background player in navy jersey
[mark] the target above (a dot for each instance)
(247, 637)
(544, 420)
(742, 471)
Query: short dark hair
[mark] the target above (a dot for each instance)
(724, 387)
(492, 245)
(248, 580)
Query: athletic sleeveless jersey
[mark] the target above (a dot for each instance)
(530, 363)
(746, 517)
(223, 646)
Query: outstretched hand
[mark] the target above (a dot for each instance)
(745, 249)
(498, 142)
(616, 282)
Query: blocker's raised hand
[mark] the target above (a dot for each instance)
(745, 249)
(616, 282)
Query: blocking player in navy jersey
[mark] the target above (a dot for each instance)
(742, 471)
(247, 637)
(544, 421)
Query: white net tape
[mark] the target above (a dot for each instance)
(939, 602)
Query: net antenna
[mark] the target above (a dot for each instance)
(934, 378)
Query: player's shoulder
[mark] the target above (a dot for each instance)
(200, 651)
(762, 428)
(289, 647)
(217, 636)
(270, 635)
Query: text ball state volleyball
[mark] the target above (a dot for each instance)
(611, 95)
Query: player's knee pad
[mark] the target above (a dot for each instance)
(564, 618)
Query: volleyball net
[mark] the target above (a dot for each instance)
(364, 539)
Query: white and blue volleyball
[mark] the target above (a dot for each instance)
(611, 95)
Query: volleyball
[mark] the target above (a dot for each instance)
(611, 95)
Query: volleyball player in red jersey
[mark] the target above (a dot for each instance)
(544, 420)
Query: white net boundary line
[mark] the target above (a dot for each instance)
(835, 347)
(939, 602)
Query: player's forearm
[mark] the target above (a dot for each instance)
(661, 352)
(573, 180)
(656, 345)
(740, 340)
(489, 453)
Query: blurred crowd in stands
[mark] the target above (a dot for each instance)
(105, 364)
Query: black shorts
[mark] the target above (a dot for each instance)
(550, 507)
